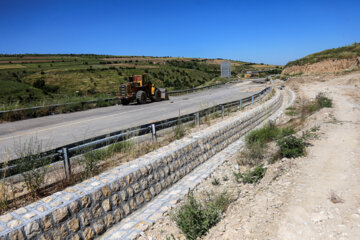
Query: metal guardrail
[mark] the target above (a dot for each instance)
(64, 153)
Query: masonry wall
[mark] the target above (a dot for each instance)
(89, 208)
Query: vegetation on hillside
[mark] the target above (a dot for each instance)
(351, 51)
(34, 79)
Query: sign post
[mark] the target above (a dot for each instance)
(226, 70)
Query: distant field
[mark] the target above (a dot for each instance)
(44, 79)
(7, 66)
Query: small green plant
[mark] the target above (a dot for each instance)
(291, 111)
(215, 182)
(291, 147)
(253, 176)
(315, 129)
(195, 218)
(179, 130)
(172, 237)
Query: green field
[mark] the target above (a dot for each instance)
(351, 51)
(33, 79)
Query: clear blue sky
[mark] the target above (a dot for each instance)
(257, 31)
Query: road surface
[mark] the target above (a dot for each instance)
(57, 130)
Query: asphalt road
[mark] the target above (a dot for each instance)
(57, 130)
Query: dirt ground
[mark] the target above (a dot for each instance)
(313, 197)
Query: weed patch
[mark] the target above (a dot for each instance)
(253, 176)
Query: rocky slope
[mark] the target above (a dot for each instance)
(325, 66)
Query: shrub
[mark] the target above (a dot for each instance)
(195, 219)
(251, 176)
(323, 101)
(291, 147)
(91, 160)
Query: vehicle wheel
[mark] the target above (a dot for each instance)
(141, 97)
(125, 101)
(157, 96)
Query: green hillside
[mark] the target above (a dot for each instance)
(33, 79)
(351, 51)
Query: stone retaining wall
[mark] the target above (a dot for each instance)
(89, 208)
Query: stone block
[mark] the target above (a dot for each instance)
(85, 201)
(106, 205)
(139, 199)
(106, 191)
(73, 225)
(46, 222)
(118, 214)
(99, 227)
(123, 195)
(60, 214)
(116, 201)
(115, 186)
(85, 217)
(74, 207)
(88, 233)
(126, 208)
(97, 210)
(109, 220)
(97, 196)
(16, 235)
(136, 187)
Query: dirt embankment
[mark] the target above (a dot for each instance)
(325, 66)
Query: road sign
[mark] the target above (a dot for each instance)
(226, 69)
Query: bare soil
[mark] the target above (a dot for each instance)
(313, 197)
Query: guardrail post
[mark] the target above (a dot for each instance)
(252, 99)
(240, 104)
(222, 111)
(153, 132)
(197, 118)
(67, 164)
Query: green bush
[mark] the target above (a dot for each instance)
(253, 176)
(291, 147)
(195, 218)
(91, 159)
(323, 101)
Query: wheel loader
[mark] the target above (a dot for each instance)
(141, 89)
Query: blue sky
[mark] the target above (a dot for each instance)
(273, 32)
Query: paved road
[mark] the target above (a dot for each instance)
(58, 130)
